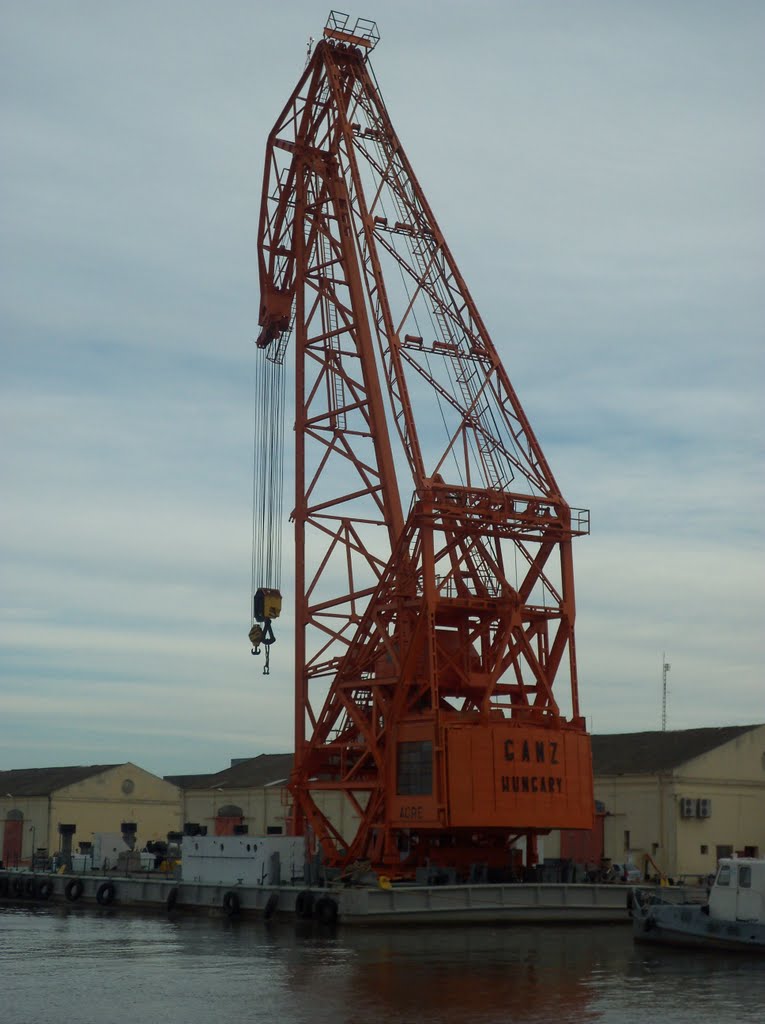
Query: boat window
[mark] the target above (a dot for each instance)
(745, 876)
(723, 875)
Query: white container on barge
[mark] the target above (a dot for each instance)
(243, 860)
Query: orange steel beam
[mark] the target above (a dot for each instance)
(438, 636)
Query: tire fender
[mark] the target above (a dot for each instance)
(326, 910)
(105, 893)
(231, 903)
(73, 889)
(304, 904)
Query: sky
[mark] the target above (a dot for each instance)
(598, 170)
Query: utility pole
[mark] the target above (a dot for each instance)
(665, 667)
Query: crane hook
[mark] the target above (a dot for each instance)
(263, 637)
(256, 639)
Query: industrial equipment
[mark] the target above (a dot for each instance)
(436, 684)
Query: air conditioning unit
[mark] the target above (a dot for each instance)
(704, 808)
(687, 807)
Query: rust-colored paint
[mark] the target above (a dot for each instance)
(455, 621)
(13, 836)
(584, 846)
(519, 778)
(226, 824)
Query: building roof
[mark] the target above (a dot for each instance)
(645, 753)
(190, 781)
(24, 782)
(632, 753)
(263, 770)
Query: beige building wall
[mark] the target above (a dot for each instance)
(339, 811)
(34, 825)
(732, 778)
(644, 811)
(549, 846)
(102, 802)
(264, 807)
(639, 819)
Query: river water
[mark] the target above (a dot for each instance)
(107, 967)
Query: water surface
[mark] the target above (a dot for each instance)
(106, 967)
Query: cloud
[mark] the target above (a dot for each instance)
(598, 175)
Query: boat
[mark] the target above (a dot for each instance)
(731, 918)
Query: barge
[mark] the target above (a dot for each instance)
(518, 903)
(268, 876)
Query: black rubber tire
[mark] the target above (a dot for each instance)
(172, 898)
(271, 906)
(73, 890)
(17, 885)
(45, 889)
(326, 910)
(304, 904)
(105, 894)
(30, 887)
(231, 903)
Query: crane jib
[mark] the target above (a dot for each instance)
(436, 688)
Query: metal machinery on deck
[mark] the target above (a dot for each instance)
(430, 640)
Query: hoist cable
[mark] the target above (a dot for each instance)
(413, 314)
(267, 473)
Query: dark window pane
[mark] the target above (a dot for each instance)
(414, 768)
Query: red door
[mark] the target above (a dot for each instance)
(12, 838)
(225, 824)
(583, 846)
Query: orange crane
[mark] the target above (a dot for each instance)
(435, 677)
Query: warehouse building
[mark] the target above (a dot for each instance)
(682, 798)
(252, 795)
(670, 803)
(35, 802)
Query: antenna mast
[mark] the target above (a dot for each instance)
(665, 667)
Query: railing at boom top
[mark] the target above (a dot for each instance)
(364, 33)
